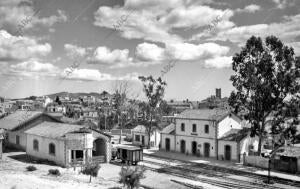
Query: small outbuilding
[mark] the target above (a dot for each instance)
(68, 145)
(140, 136)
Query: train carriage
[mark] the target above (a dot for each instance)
(130, 155)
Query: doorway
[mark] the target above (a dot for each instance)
(143, 140)
(194, 147)
(167, 144)
(206, 149)
(182, 146)
(227, 151)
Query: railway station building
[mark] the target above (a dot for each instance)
(198, 131)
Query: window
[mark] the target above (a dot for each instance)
(17, 139)
(182, 127)
(51, 149)
(194, 128)
(206, 129)
(36, 145)
(137, 138)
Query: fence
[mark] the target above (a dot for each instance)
(256, 161)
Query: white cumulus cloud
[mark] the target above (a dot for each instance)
(219, 62)
(21, 48)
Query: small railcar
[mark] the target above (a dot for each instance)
(130, 155)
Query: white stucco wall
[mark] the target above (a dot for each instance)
(200, 125)
(139, 142)
(200, 144)
(43, 151)
(155, 138)
(163, 142)
(226, 125)
(12, 139)
(221, 149)
(244, 144)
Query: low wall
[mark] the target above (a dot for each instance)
(256, 161)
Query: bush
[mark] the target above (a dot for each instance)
(30, 168)
(131, 177)
(92, 170)
(54, 172)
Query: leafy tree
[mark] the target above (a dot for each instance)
(58, 100)
(266, 80)
(131, 177)
(285, 122)
(92, 170)
(154, 90)
(165, 109)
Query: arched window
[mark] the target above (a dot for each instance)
(51, 149)
(36, 145)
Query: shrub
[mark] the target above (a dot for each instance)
(54, 172)
(92, 170)
(30, 168)
(131, 177)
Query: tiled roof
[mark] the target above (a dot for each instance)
(169, 129)
(15, 119)
(53, 130)
(211, 114)
(235, 134)
(290, 151)
(140, 128)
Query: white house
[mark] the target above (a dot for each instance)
(197, 131)
(67, 144)
(140, 136)
(54, 108)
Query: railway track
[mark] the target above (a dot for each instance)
(209, 170)
(193, 175)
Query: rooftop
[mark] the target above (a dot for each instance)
(209, 114)
(53, 130)
(290, 151)
(235, 135)
(169, 129)
(13, 120)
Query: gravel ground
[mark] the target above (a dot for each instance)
(13, 175)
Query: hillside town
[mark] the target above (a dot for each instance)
(149, 94)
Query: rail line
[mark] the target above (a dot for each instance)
(204, 169)
(193, 175)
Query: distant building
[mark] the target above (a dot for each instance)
(214, 101)
(180, 106)
(56, 108)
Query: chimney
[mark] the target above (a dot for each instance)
(218, 93)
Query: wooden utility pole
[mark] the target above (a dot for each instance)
(1, 140)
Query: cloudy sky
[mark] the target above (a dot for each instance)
(49, 46)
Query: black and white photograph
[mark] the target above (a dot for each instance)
(149, 94)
